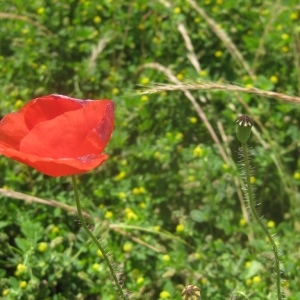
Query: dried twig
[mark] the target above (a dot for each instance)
(219, 87)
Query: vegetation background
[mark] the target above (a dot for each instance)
(168, 203)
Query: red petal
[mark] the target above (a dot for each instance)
(57, 167)
(70, 135)
(58, 135)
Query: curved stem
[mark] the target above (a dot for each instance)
(250, 196)
(95, 240)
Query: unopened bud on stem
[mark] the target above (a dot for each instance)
(243, 128)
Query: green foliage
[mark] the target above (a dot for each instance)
(166, 204)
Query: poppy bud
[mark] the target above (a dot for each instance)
(191, 292)
(243, 128)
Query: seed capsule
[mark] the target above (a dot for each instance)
(243, 128)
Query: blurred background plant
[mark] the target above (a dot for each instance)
(168, 202)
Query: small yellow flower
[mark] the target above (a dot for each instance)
(179, 76)
(248, 281)
(99, 253)
(135, 191)
(19, 104)
(179, 136)
(177, 10)
(219, 53)
(296, 175)
(156, 228)
(204, 281)
(142, 190)
(40, 10)
(242, 222)
(225, 167)
(248, 264)
(191, 178)
(164, 295)
(96, 267)
(115, 91)
(108, 215)
(203, 73)
(120, 176)
(142, 205)
(144, 80)
(144, 98)
(249, 86)
(197, 255)
(180, 228)
(55, 229)
(271, 224)
(252, 179)
(130, 215)
(25, 31)
(97, 20)
(42, 247)
(256, 279)
(197, 20)
(285, 49)
(219, 2)
(5, 292)
(140, 280)
(294, 16)
(123, 162)
(285, 36)
(127, 247)
(279, 27)
(193, 120)
(21, 268)
(197, 152)
(166, 258)
(141, 26)
(23, 284)
(274, 79)
(122, 195)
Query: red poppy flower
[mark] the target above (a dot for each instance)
(58, 135)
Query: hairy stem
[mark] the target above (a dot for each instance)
(250, 196)
(95, 240)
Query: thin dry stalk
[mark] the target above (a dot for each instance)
(29, 199)
(219, 87)
(96, 51)
(222, 35)
(189, 46)
(43, 29)
(273, 15)
(296, 51)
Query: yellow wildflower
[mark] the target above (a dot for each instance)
(108, 215)
(177, 10)
(219, 53)
(164, 295)
(180, 228)
(127, 247)
(120, 176)
(274, 79)
(23, 284)
(42, 247)
(193, 120)
(270, 224)
(197, 152)
(256, 279)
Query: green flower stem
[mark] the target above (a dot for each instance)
(250, 195)
(95, 240)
